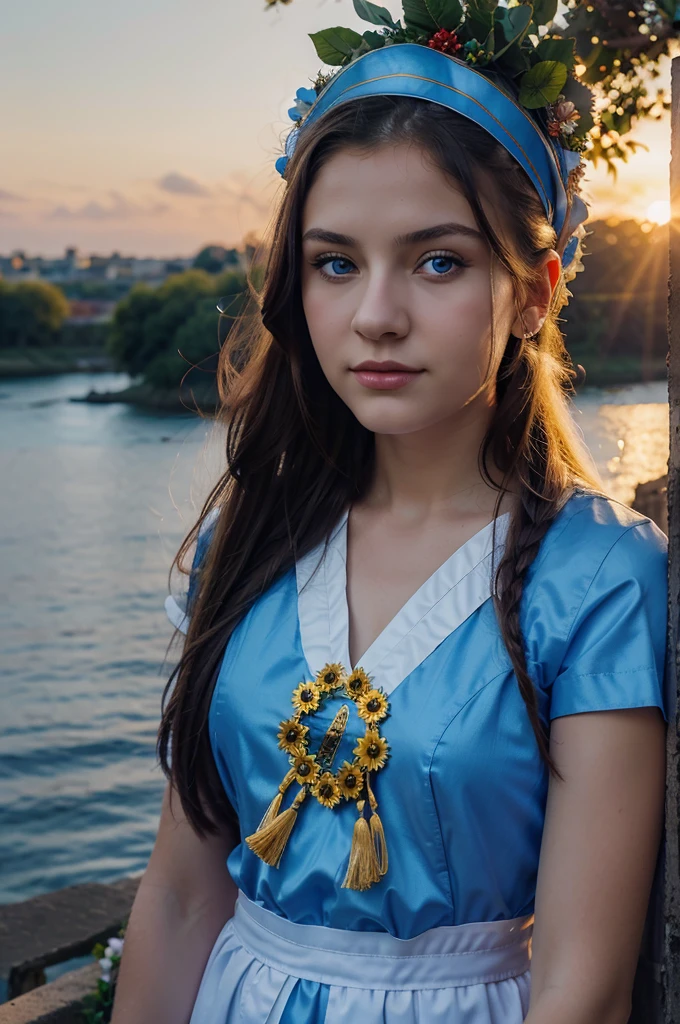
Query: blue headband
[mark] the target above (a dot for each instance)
(408, 69)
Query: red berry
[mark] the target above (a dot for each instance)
(445, 41)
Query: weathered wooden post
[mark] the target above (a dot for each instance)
(671, 957)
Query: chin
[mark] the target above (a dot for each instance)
(392, 421)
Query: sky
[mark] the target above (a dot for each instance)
(151, 127)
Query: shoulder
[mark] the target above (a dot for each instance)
(593, 529)
(178, 605)
(601, 567)
(205, 535)
(597, 608)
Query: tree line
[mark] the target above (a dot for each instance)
(616, 317)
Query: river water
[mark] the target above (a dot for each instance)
(94, 500)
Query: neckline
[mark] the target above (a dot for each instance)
(447, 597)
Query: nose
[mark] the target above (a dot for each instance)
(381, 313)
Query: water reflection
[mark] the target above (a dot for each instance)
(627, 433)
(94, 501)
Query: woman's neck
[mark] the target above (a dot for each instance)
(434, 472)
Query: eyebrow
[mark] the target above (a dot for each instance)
(413, 237)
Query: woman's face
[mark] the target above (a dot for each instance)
(396, 291)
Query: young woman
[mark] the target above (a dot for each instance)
(411, 541)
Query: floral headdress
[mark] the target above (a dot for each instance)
(554, 91)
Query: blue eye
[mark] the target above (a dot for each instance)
(339, 264)
(441, 264)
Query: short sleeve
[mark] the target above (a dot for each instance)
(178, 606)
(616, 649)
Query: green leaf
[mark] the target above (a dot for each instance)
(515, 61)
(359, 50)
(512, 24)
(371, 12)
(485, 6)
(489, 41)
(447, 14)
(478, 19)
(558, 49)
(418, 18)
(334, 45)
(544, 11)
(374, 39)
(542, 84)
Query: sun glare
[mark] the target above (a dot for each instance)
(659, 211)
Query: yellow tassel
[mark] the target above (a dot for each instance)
(275, 806)
(362, 870)
(268, 843)
(271, 812)
(379, 844)
(377, 830)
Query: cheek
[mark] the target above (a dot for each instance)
(329, 327)
(456, 338)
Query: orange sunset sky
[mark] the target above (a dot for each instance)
(151, 126)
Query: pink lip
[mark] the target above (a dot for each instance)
(384, 376)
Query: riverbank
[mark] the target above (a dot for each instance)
(201, 396)
(47, 362)
(599, 373)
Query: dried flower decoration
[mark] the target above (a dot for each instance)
(372, 751)
(368, 859)
(357, 683)
(292, 736)
(372, 706)
(330, 677)
(350, 780)
(326, 790)
(306, 769)
(306, 698)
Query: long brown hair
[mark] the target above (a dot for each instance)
(297, 456)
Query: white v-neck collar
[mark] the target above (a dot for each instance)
(451, 594)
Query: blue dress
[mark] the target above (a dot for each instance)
(462, 797)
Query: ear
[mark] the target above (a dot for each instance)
(538, 302)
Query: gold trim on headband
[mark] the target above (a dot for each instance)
(434, 81)
(487, 80)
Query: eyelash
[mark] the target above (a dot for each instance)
(326, 257)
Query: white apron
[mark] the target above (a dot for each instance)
(457, 974)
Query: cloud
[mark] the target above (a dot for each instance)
(243, 189)
(119, 208)
(56, 186)
(180, 185)
(10, 197)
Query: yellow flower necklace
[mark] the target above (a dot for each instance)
(368, 855)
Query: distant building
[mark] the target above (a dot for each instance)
(90, 311)
(80, 274)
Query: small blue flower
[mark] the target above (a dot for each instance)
(281, 164)
(306, 95)
(304, 100)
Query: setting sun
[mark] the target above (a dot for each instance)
(659, 211)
